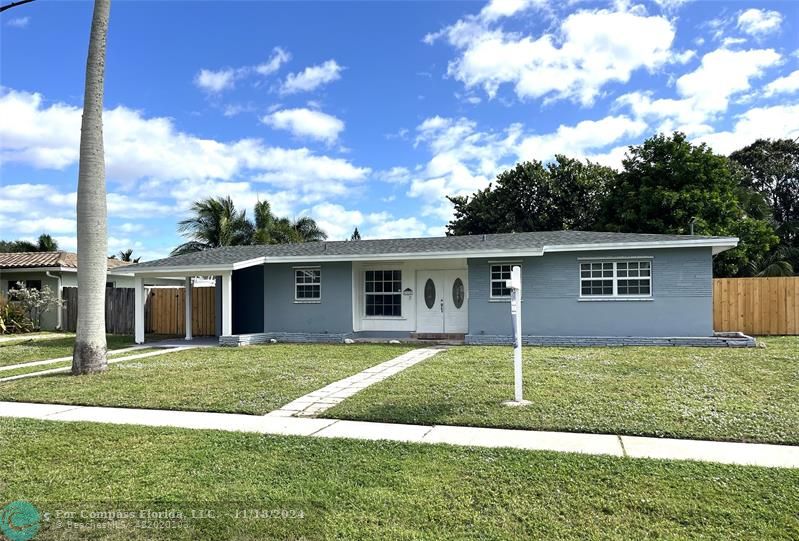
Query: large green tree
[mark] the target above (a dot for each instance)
(216, 222)
(45, 243)
(667, 183)
(533, 196)
(772, 169)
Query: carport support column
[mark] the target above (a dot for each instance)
(188, 298)
(138, 309)
(227, 304)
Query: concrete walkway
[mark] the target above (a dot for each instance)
(110, 361)
(325, 398)
(782, 456)
(34, 336)
(29, 364)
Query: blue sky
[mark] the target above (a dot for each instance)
(368, 113)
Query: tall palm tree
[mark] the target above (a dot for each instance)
(215, 223)
(90, 346)
(127, 256)
(46, 243)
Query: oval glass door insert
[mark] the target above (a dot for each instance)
(429, 293)
(458, 293)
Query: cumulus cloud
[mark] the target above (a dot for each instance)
(465, 159)
(279, 57)
(759, 122)
(312, 78)
(48, 135)
(590, 49)
(783, 85)
(759, 22)
(306, 123)
(215, 81)
(218, 81)
(706, 92)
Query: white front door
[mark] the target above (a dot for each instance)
(441, 303)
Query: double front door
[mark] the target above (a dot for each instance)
(441, 301)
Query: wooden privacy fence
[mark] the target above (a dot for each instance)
(118, 310)
(164, 310)
(756, 305)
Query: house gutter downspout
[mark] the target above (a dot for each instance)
(60, 297)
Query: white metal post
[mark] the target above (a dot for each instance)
(227, 304)
(138, 309)
(188, 314)
(515, 285)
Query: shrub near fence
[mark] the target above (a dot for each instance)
(756, 305)
(164, 310)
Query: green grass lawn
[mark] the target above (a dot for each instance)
(253, 379)
(344, 489)
(700, 393)
(33, 349)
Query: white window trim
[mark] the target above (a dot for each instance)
(615, 296)
(491, 296)
(365, 294)
(307, 300)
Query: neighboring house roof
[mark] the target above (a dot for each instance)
(48, 260)
(500, 245)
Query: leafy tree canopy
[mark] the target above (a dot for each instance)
(533, 196)
(45, 243)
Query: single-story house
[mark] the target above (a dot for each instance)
(577, 287)
(56, 270)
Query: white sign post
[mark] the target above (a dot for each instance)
(515, 286)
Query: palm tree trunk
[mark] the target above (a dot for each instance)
(90, 346)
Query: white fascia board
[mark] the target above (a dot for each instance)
(718, 245)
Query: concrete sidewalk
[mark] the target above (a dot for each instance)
(782, 456)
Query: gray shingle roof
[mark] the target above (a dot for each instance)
(510, 242)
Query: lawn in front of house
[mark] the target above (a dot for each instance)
(730, 394)
(28, 369)
(271, 487)
(39, 349)
(252, 379)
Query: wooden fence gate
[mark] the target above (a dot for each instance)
(756, 305)
(164, 310)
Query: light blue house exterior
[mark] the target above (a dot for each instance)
(577, 288)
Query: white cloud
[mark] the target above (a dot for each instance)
(580, 139)
(397, 228)
(215, 81)
(335, 220)
(591, 49)
(45, 225)
(312, 77)
(759, 22)
(705, 92)
(780, 121)
(139, 148)
(279, 57)
(464, 159)
(783, 85)
(306, 123)
(19, 22)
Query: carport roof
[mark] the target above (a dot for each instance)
(498, 245)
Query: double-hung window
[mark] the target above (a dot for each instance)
(500, 273)
(613, 279)
(307, 284)
(383, 293)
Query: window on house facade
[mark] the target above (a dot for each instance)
(383, 293)
(499, 274)
(308, 284)
(616, 278)
(29, 284)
